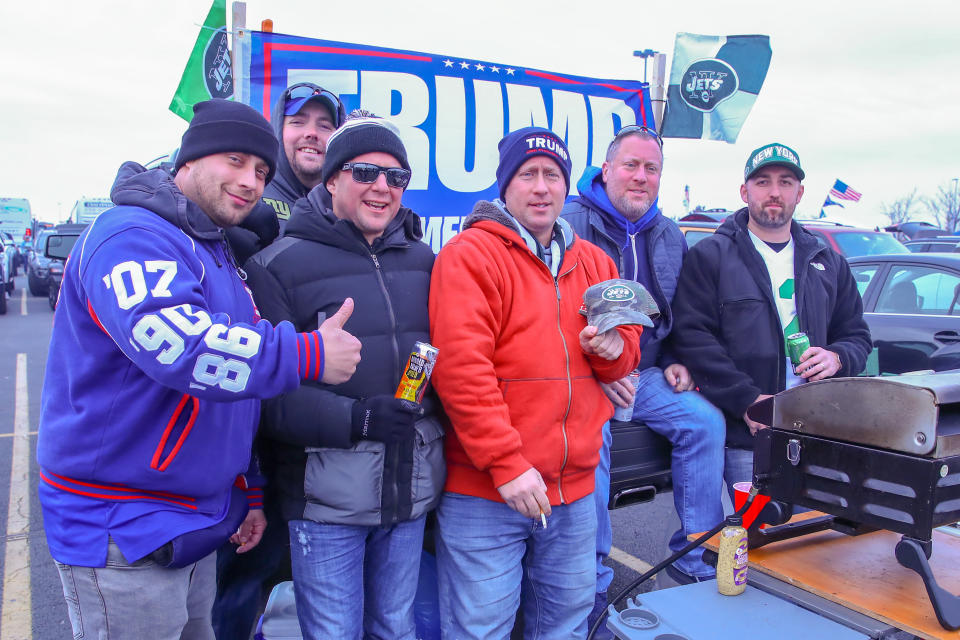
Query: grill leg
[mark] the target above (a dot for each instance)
(913, 554)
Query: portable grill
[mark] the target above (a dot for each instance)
(873, 453)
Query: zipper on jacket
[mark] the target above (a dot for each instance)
(563, 424)
(394, 451)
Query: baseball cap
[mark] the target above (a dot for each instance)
(773, 153)
(301, 94)
(611, 303)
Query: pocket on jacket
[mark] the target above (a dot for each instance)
(745, 327)
(429, 465)
(344, 485)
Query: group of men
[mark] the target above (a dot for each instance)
(193, 337)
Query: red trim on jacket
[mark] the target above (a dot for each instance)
(194, 412)
(141, 494)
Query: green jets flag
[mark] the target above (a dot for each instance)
(208, 73)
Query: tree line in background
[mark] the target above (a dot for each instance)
(944, 206)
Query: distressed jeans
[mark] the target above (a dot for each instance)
(697, 430)
(352, 580)
(123, 600)
(483, 548)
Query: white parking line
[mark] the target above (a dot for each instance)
(629, 561)
(23, 302)
(15, 615)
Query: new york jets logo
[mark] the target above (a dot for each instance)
(706, 83)
(217, 71)
(617, 293)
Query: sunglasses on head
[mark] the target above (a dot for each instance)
(367, 173)
(297, 91)
(638, 128)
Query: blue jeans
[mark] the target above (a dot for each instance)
(697, 431)
(738, 467)
(483, 548)
(352, 580)
(124, 600)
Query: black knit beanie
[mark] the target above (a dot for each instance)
(219, 126)
(519, 146)
(358, 136)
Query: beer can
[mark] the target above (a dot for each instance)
(413, 382)
(797, 343)
(625, 414)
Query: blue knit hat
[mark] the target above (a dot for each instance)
(519, 146)
(220, 126)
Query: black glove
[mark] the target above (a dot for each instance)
(384, 419)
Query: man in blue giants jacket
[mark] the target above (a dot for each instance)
(617, 210)
(158, 362)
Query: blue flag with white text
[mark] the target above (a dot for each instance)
(714, 81)
(451, 112)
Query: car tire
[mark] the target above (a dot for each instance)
(37, 286)
(3, 302)
(52, 295)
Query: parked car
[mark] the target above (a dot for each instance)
(10, 260)
(57, 247)
(910, 302)
(5, 288)
(38, 265)
(937, 243)
(853, 241)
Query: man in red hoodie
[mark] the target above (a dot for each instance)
(518, 374)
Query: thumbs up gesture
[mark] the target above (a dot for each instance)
(341, 351)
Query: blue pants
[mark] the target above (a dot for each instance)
(356, 580)
(697, 431)
(483, 548)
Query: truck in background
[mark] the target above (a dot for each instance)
(86, 210)
(17, 220)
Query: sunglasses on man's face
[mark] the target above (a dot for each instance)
(637, 128)
(367, 173)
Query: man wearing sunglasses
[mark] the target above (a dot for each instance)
(373, 465)
(303, 117)
(518, 375)
(617, 210)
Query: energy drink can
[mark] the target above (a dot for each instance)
(413, 382)
(797, 343)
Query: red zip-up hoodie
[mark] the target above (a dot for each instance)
(517, 387)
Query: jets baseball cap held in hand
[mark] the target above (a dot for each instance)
(615, 302)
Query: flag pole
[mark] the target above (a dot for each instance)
(238, 50)
(658, 88)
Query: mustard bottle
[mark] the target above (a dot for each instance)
(732, 558)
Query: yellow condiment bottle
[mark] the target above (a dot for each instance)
(732, 558)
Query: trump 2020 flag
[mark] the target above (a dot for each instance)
(714, 81)
(208, 73)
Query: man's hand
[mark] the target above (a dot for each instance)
(621, 392)
(679, 378)
(608, 345)
(526, 494)
(250, 531)
(341, 351)
(753, 425)
(816, 363)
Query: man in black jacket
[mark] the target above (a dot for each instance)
(303, 118)
(758, 279)
(355, 468)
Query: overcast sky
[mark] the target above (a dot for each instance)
(865, 91)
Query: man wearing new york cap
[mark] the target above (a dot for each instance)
(519, 375)
(760, 278)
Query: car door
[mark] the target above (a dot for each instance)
(914, 317)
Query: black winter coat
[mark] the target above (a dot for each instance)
(726, 328)
(318, 263)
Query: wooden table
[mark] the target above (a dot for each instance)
(861, 573)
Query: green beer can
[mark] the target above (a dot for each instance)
(797, 343)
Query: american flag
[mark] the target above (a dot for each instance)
(842, 191)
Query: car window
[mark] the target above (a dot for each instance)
(867, 243)
(694, 236)
(919, 290)
(863, 274)
(917, 247)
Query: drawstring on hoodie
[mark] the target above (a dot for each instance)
(231, 257)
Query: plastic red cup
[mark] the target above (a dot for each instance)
(740, 491)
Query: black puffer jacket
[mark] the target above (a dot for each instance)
(726, 328)
(319, 262)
